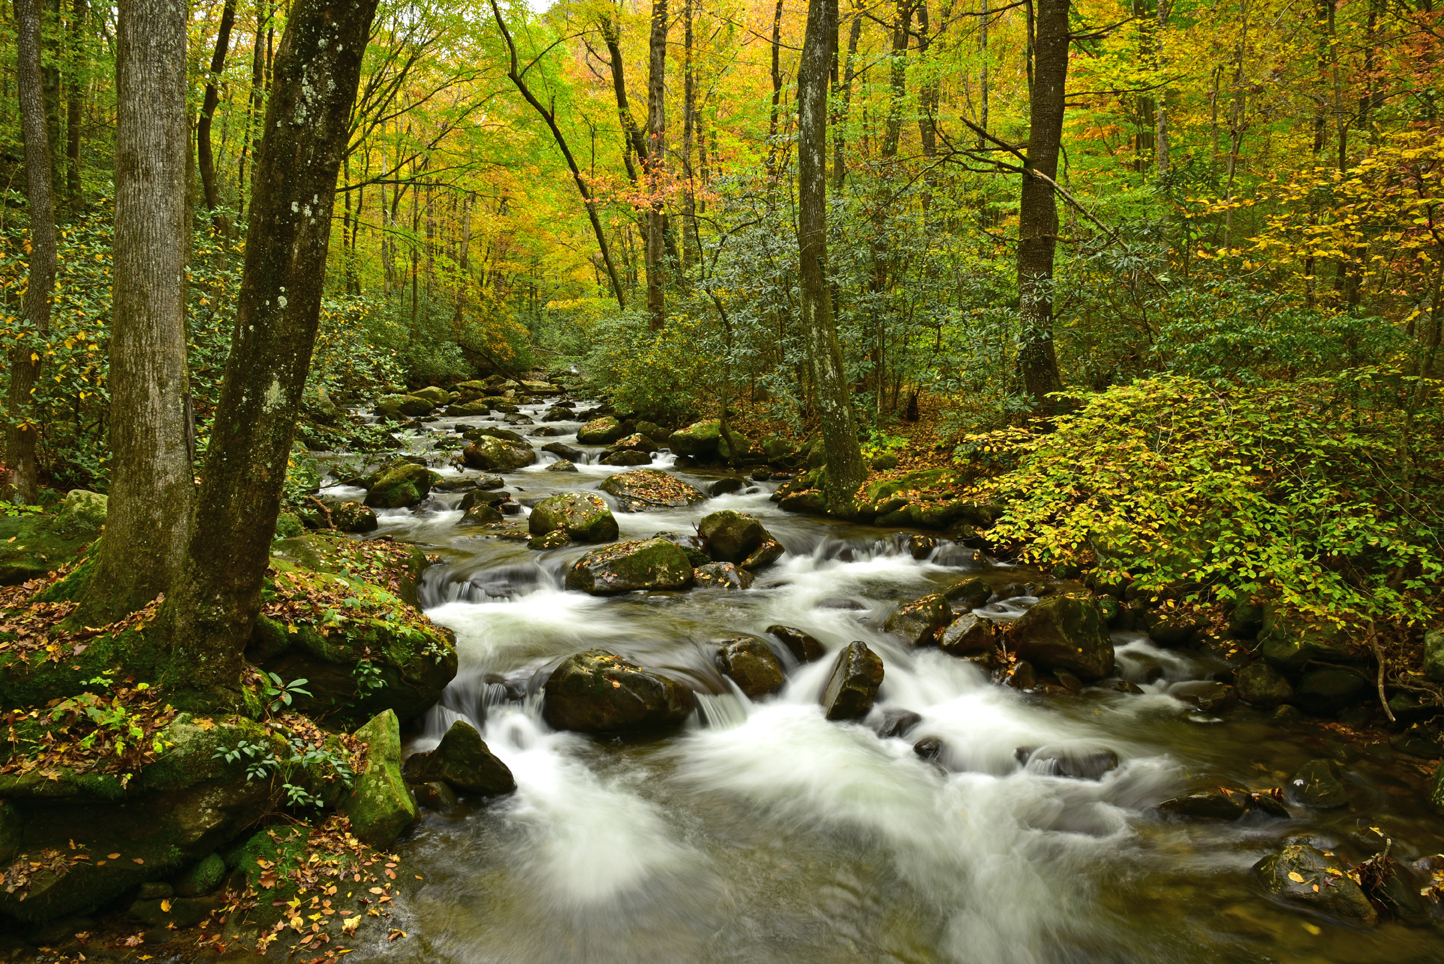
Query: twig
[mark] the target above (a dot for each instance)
(1379, 655)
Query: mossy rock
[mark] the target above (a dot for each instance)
(1067, 633)
(731, 536)
(601, 431)
(463, 762)
(644, 490)
(601, 692)
(698, 440)
(330, 552)
(434, 394)
(584, 516)
(404, 486)
(1291, 640)
(380, 806)
(628, 566)
(466, 409)
(33, 545)
(497, 455)
(131, 652)
(392, 407)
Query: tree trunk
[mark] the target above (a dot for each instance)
(75, 105)
(691, 246)
(1161, 160)
(839, 125)
(151, 478)
(254, 105)
(25, 359)
(655, 165)
(845, 470)
(633, 142)
(204, 158)
(214, 604)
(773, 115)
(898, 75)
(50, 72)
(1038, 212)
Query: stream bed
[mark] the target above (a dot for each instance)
(760, 832)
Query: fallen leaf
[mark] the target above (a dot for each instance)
(1296, 877)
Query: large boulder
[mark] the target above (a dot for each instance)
(584, 516)
(466, 409)
(1290, 641)
(966, 635)
(393, 407)
(434, 394)
(731, 536)
(1323, 689)
(627, 566)
(920, 621)
(853, 685)
(1434, 655)
(600, 692)
(1308, 876)
(32, 545)
(1067, 633)
(1260, 684)
(405, 485)
(568, 452)
(750, 663)
(698, 440)
(601, 431)
(497, 455)
(805, 647)
(463, 761)
(379, 805)
(645, 489)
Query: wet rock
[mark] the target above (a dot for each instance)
(467, 409)
(549, 540)
(761, 475)
(724, 486)
(561, 465)
(851, 689)
(462, 760)
(601, 431)
(698, 440)
(480, 514)
(1260, 684)
(435, 796)
(1290, 641)
(1435, 791)
(897, 722)
(1285, 714)
(653, 431)
(690, 543)
(626, 457)
(804, 647)
(584, 516)
(750, 663)
(600, 692)
(1328, 689)
(722, 575)
(628, 566)
(434, 394)
(1216, 803)
(497, 455)
(392, 407)
(1022, 676)
(1317, 785)
(1207, 695)
(1271, 802)
(642, 490)
(920, 621)
(929, 748)
(1067, 633)
(636, 442)
(402, 486)
(1418, 739)
(1116, 685)
(841, 602)
(505, 434)
(563, 451)
(967, 634)
(968, 594)
(480, 497)
(1170, 628)
(731, 536)
(353, 517)
(1075, 763)
(1309, 876)
(920, 547)
(379, 805)
(490, 482)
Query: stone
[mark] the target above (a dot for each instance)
(920, 621)
(549, 540)
(653, 431)
(506, 435)
(636, 442)
(1433, 655)
(625, 457)
(731, 536)
(1323, 690)
(764, 555)
(392, 407)
(353, 517)
(804, 648)
(750, 663)
(468, 409)
(600, 692)
(497, 455)
(32, 545)
(1207, 695)
(698, 440)
(1261, 684)
(1435, 790)
(1067, 633)
(480, 514)
(568, 452)
(561, 465)
(1308, 876)
(1074, 763)
(434, 394)
(920, 547)
(967, 634)
(929, 748)
(202, 878)
(463, 761)
(628, 566)
(722, 575)
(1217, 803)
(1170, 629)
(1291, 641)
(642, 490)
(968, 595)
(601, 431)
(853, 685)
(690, 543)
(436, 796)
(1317, 785)
(726, 486)
(403, 486)
(897, 723)
(380, 806)
(584, 516)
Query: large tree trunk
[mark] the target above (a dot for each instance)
(25, 361)
(656, 164)
(214, 603)
(845, 470)
(151, 480)
(75, 104)
(691, 246)
(204, 158)
(843, 109)
(1038, 212)
(633, 141)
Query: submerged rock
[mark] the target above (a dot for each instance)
(1317, 785)
(380, 806)
(804, 648)
(920, 621)
(561, 465)
(584, 517)
(463, 761)
(645, 489)
(853, 685)
(1217, 803)
(1067, 633)
(725, 486)
(1075, 763)
(600, 692)
(1311, 877)
(897, 722)
(627, 566)
(750, 663)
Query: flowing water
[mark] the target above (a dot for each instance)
(761, 832)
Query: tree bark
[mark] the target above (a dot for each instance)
(655, 165)
(839, 125)
(691, 245)
(633, 141)
(1038, 212)
(25, 359)
(213, 606)
(845, 470)
(773, 115)
(151, 479)
(204, 158)
(75, 105)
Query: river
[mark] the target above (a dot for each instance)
(760, 832)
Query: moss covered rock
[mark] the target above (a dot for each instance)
(647, 489)
(465, 409)
(393, 407)
(601, 431)
(497, 455)
(434, 394)
(1308, 876)
(1262, 685)
(731, 536)
(601, 692)
(380, 806)
(1291, 640)
(750, 663)
(405, 485)
(920, 621)
(1066, 633)
(32, 545)
(463, 761)
(627, 566)
(852, 687)
(584, 516)
(698, 440)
